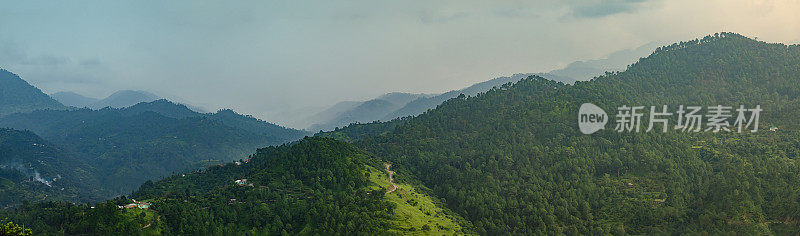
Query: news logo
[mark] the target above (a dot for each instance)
(591, 118)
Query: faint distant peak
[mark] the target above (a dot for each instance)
(125, 98)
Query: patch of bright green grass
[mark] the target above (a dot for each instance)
(416, 213)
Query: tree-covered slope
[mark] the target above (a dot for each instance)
(315, 185)
(513, 161)
(35, 170)
(132, 145)
(16, 95)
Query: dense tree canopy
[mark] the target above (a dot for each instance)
(315, 185)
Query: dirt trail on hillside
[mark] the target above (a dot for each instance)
(391, 179)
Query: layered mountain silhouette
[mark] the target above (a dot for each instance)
(119, 99)
(345, 113)
(512, 160)
(396, 105)
(74, 99)
(110, 151)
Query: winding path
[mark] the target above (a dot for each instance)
(391, 179)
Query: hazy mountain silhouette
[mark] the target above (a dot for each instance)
(17, 95)
(344, 113)
(127, 146)
(73, 99)
(124, 98)
(586, 70)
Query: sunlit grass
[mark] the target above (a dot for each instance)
(415, 210)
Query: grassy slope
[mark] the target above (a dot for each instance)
(150, 217)
(414, 209)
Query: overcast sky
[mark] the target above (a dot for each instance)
(273, 58)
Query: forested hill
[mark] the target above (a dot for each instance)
(314, 186)
(16, 95)
(726, 69)
(35, 170)
(513, 161)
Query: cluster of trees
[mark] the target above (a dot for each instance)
(12, 229)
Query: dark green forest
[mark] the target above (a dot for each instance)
(110, 152)
(26, 156)
(513, 161)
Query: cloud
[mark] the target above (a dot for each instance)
(12, 53)
(434, 18)
(52, 72)
(524, 12)
(89, 63)
(602, 8)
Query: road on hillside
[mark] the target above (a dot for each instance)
(391, 179)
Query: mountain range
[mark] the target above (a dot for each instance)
(96, 154)
(119, 99)
(396, 105)
(510, 160)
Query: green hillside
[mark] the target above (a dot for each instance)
(315, 185)
(513, 161)
(148, 141)
(35, 170)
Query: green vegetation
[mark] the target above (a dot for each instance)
(25, 156)
(117, 150)
(511, 160)
(11, 229)
(415, 210)
(316, 185)
(56, 218)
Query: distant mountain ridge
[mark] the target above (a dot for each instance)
(74, 99)
(124, 98)
(122, 147)
(17, 95)
(345, 113)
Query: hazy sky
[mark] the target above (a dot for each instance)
(273, 58)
